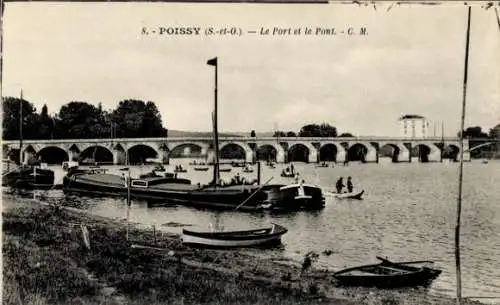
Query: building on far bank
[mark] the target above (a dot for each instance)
(414, 126)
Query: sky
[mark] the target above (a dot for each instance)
(410, 62)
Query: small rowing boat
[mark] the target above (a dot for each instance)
(234, 239)
(201, 169)
(387, 274)
(353, 195)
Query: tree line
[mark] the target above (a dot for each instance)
(313, 130)
(477, 137)
(81, 120)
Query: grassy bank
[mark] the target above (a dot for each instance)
(46, 262)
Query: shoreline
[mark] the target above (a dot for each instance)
(113, 270)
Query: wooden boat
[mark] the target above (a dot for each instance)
(287, 174)
(387, 274)
(201, 169)
(322, 165)
(353, 195)
(248, 170)
(161, 190)
(225, 170)
(294, 197)
(29, 177)
(234, 239)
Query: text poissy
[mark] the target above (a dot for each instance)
(179, 30)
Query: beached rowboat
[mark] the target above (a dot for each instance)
(387, 274)
(231, 239)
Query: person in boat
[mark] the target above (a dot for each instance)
(291, 168)
(297, 178)
(340, 185)
(301, 191)
(237, 179)
(349, 184)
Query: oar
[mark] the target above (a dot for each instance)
(409, 262)
(255, 192)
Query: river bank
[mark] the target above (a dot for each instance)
(46, 262)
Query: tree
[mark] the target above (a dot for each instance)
(252, 134)
(279, 134)
(346, 135)
(81, 120)
(495, 132)
(135, 119)
(45, 124)
(291, 134)
(45, 112)
(474, 132)
(11, 119)
(315, 130)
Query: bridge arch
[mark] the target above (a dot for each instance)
(451, 151)
(52, 155)
(239, 150)
(302, 152)
(390, 150)
(273, 150)
(139, 153)
(96, 154)
(362, 151)
(186, 150)
(421, 151)
(357, 152)
(28, 154)
(329, 152)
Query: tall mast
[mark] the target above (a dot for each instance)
(213, 62)
(460, 174)
(21, 129)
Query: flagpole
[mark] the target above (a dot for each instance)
(460, 175)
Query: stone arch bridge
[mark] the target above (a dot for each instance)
(281, 150)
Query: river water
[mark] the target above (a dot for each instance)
(408, 213)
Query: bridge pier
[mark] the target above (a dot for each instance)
(119, 157)
(313, 156)
(164, 156)
(249, 156)
(28, 156)
(341, 156)
(371, 154)
(435, 155)
(466, 156)
(73, 155)
(404, 153)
